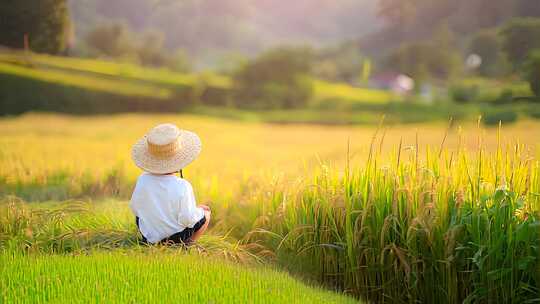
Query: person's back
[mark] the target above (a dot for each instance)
(163, 204)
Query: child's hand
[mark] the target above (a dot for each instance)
(205, 207)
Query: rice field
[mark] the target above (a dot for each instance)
(390, 214)
(448, 228)
(148, 278)
(69, 152)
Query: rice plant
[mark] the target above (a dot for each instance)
(78, 227)
(444, 227)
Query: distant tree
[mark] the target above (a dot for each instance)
(179, 61)
(342, 63)
(113, 39)
(411, 60)
(151, 51)
(228, 62)
(419, 19)
(117, 41)
(533, 72)
(487, 44)
(424, 60)
(520, 37)
(46, 23)
(276, 79)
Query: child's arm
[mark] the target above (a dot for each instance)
(190, 213)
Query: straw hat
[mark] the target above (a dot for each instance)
(166, 149)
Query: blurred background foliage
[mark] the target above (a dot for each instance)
(276, 79)
(47, 23)
(355, 58)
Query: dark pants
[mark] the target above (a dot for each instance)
(183, 237)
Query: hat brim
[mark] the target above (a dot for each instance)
(189, 149)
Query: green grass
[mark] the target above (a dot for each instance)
(119, 70)
(326, 90)
(87, 252)
(88, 82)
(313, 116)
(489, 90)
(347, 113)
(151, 277)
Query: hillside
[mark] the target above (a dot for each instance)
(86, 86)
(91, 86)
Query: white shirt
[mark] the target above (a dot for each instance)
(165, 205)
